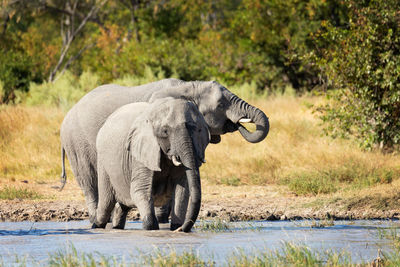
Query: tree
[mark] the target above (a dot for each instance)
(74, 17)
(362, 64)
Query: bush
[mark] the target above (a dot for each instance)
(64, 92)
(15, 74)
(361, 62)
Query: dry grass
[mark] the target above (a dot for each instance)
(29, 144)
(295, 155)
(30, 149)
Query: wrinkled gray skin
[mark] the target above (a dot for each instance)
(147, 153)
(221, 109)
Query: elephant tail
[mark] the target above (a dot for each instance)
(63, 173)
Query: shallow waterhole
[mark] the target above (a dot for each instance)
(361, 238)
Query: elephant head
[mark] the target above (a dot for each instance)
(176, 130)
(223, 111)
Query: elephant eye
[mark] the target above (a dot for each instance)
(220, 105)
(164, 132)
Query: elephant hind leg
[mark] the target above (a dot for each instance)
(85, 172)
(119, 216)
(106, 201)
(162, 213)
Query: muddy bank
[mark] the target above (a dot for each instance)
(228, 210)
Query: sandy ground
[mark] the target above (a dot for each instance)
(225, 202)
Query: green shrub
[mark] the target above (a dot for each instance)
(362, 63)
(148, 77)
(64, 92)
(15, 74)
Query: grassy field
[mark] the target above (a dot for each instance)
(295, 157)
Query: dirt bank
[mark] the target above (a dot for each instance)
(233, 203)
(232, 210)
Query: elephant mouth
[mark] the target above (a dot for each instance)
(231, 126)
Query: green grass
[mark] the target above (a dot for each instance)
(290, 255)
(172, 258)
(350, 176)
(9, 192)
(217, 225)
(231, 181)
(311, 183)
(317, 223)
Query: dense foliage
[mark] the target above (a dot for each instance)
(362, 62)
(233, 41)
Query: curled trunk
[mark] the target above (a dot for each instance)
(242, 110)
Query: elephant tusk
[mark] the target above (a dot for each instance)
(175, 161)
(245, 120)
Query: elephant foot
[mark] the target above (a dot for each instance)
(119, 217)
(162, 213)
(150, 223)
(95, 226)
(92, 218)
(175, 226)
(163, 218)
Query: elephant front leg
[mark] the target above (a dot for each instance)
(179, 204)
(141, 194)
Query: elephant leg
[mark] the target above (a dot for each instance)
(91, 199)
(120, 212)
(86, 175)
(179, 203)
(141, 195)
(163, 212)
(106, 201)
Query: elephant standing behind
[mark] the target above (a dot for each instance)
(147, 153)
(221, 109)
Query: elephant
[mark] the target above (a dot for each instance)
(222, 110)
(147, 153)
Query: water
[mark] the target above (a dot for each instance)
(39, 239)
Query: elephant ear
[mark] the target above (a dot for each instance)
(142, 145)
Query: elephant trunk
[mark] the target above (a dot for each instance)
(242, 111)
(193, 178)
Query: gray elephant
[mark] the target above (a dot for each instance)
(222, 110)
(148, 153)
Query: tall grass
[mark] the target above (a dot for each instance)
(29, 143)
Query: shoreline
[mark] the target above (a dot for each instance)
(60, 210)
